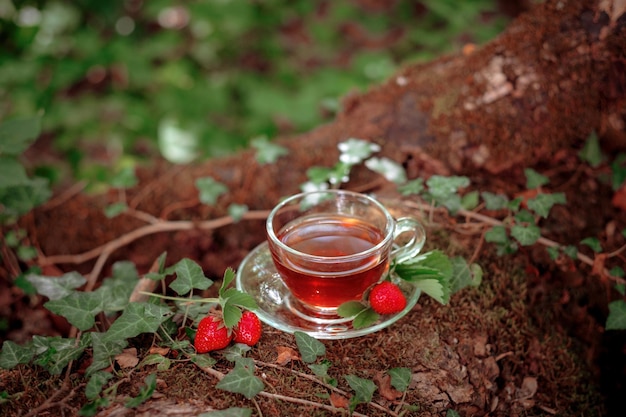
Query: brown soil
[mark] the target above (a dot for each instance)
(529, 341)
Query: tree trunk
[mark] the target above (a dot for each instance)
(554, 76)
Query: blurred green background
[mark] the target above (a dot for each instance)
(120, 82)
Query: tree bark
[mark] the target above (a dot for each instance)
(554, 76)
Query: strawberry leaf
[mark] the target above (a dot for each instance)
(350, 309)
(430, 272)
(365, 318)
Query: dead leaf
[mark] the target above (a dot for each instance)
(619, 198)
(384, 387)
(286, 355)
(128, 358)
(528, 388)
(598, 266)
(163, 351)
(338, 400)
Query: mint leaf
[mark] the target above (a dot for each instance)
(400, 378)
(617, 316)
(309, 347)
(241, 379)
(542, 203)
(534, 179)
(13, 354)
(363, 388)
(210, 190)
(57, 287)
(189, 276)
(79, 308)
(137, 318)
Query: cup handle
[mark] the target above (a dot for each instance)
(413, 242)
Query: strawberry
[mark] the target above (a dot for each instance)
(248, 330)
(387, 298)
(212, 335)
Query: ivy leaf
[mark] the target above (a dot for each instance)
(309, 347)
(55, 353)
(363, 388)
(57, 287)
(354, 151)
(97, 381)
(526, 235)
(616, 319)
(400, 378)
(591, 152)
(79, 308)
(125, 178)
(237, 211)
(534, 179)
(115, 209)
(241, 379)
(415, 186)
(494, 201)
(464, 275)
(266, 151)
(103, 351)
(189, 276)
(210, 190)
(203, 360)
(542, 203)
(229, 412)
(593, 243)
(391, 170)
(497, 234)
(145, 392)
(451, 413)
(18, 134)
(116, 290)
(441, 187)
(13, 354)
(137, 318)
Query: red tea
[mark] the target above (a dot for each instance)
(325, 279)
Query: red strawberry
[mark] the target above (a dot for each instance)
(248, 330)
(387, 298)
(212, 335)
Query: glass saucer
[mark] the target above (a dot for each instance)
(258, 277)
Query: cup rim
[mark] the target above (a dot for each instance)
(388, 232)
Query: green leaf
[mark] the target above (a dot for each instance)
(616, 319)
(470, 200)
(497, 234)
(430, 272)
(137, 318)
(229, 412)
(125, 178)
(363, 388)
(534, 179)
(189, 276)
(365, 318)
(79, 308)
(236, 351)
(442, 187)
(13, 354)
(494, 201)
(354, 151)
(103, 352)
(237, 211)
(400, 378)
(203, 360)
(452, 413)
(115, 209)
(18, 134)
(618, 171)
(350, 309)
(591, 152)
(593, 243)
(266, 151)
(542, 203)
(321, 369)
(391, 170)
(210, 190)
(116, 290)
(145, 392)
(241, 379)
(464, 275)
(57, 352)
(232, 301)
(97, 381)
(57, 287)
(309, 347)
(162, 363)
(526, 235)
(12, 173)
(229, 276)
(571, 251)
(415, 186)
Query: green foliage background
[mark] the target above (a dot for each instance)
(120, 81)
